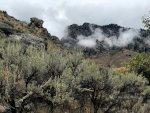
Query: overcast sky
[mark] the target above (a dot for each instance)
(58, 14)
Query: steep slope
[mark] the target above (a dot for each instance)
(11, 26)
(107, 42)
(24, 50)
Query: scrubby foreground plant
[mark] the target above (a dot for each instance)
(30, 74)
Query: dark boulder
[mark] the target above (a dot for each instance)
(36, 22)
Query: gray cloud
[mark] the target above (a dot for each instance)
(59, 14)
(124, 38)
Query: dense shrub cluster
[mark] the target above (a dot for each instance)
(140, 64)
(31, 72)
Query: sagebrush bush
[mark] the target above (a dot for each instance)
(56, 76)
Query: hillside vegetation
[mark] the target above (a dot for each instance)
(39, 75)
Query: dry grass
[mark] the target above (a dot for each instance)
(116, 59)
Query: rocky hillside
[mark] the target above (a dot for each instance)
(10, 26)
(110, 42)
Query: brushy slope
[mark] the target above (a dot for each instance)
(29, 74)
(45, 77)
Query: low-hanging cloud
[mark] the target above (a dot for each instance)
(86, 41)
(59, 14)
(124, 38)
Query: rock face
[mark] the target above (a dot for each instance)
(28, 38)
(87, 29)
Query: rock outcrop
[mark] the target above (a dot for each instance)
(28, 38)
(36, 22)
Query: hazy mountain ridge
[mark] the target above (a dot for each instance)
(111, 30)
(97, 41)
